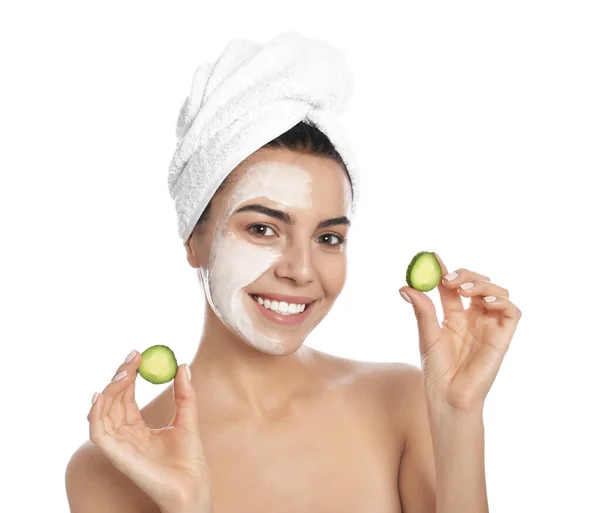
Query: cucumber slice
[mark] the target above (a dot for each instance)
(424, 272)
(159, 364)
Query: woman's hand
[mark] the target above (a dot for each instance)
(461, 358)
(167, 463)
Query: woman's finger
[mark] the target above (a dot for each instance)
(132, 411)
(114, 407)
(450, 294)
(504, 305)
(477, 288)
(102, 437)
(98, 432)
(450, 299)
(482, 288)
(462, 276)
(186, 412)
(111, 390)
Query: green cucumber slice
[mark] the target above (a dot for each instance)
(424, 272)
(159, 364)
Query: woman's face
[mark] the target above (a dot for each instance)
(272, 257)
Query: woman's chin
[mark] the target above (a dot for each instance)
(275, 345)
(279, 333)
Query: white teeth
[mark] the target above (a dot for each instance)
(280, 306)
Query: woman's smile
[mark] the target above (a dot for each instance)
(283, 309)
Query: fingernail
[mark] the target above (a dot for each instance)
(489, 299)
(95, 397)
(189, 373)
(466, 286)
(450, 276)
(405, 296)
(130, 356)
(121, 375)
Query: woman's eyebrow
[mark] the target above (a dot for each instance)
(286, 218)
(334, 221)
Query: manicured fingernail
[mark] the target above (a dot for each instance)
(405, 296)
(121, 375)
(95, 397)
(466, 286)
(130, 356)
(189, 372)
(489, 299)
(450, 276)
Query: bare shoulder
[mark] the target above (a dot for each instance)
(397, 390)
(396, 385)
(94, 485)
(394, 377)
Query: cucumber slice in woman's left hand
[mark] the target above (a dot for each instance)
(159, 364)
(424, 272)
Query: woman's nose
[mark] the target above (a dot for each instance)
(296, 263)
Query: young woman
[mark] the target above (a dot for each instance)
(266, 424)
(264, 188)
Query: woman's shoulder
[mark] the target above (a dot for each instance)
(388, 390)
(93, 484)
(366, 369)
(391, 381)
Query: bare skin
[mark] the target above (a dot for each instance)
(335, 445)
(301, 430)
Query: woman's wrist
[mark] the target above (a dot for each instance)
(200, 502)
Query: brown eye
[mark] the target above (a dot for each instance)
(260, 230)
(330, 239)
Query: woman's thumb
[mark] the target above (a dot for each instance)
(186, 413)
(427, 321)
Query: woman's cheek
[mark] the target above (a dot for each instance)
(333, 274)
(236, 263)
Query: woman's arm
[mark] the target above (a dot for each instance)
(460, 359)
(442, 466)
(458, 447)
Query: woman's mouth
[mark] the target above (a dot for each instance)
(282, 312)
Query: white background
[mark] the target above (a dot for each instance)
(476, 125)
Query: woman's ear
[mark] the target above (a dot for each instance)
(197, 248)
(191, 254)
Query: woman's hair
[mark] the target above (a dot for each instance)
(303, 138)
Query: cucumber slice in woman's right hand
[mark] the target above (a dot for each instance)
(167, 463)
(159, 364)
(424, 272)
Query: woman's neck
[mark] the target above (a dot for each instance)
(231, 375)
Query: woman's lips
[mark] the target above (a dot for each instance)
(281, 318)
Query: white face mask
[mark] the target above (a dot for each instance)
(235, 263)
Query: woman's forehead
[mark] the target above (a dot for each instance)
(283, 182)
(296, 181)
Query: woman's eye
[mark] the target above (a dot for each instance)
(330, 239)
(261, 230)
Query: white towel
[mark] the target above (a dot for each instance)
(249, 96)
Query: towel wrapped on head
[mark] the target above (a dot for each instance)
(249, 96)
